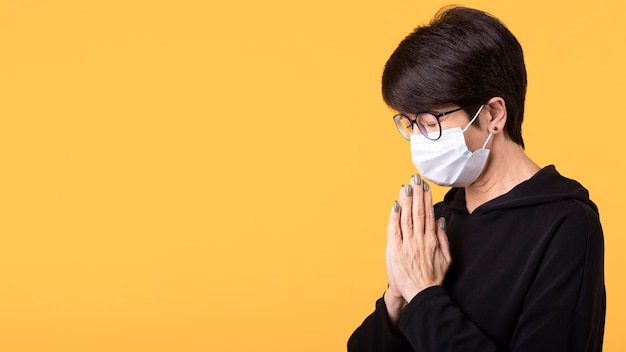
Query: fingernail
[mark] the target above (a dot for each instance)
(409, 190)
(417, 180)
(396, 206)
(442, 223)
(426, 188)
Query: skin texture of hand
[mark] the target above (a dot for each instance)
(418, 254)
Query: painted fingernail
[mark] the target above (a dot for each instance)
(409, 190)
(417, 180)
(426, 188)
(396, 206)
(442, 223)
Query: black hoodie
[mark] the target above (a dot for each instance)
(527, 274)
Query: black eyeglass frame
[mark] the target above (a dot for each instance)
(403, 132)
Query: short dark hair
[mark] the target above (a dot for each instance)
(463, 57)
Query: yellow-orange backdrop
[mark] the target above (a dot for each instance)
(216, 175)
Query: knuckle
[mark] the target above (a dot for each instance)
(407, 222)
(433, 244)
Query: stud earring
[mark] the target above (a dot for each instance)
(495, 128)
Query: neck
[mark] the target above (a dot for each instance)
(507, 167)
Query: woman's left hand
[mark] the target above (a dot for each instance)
(418, 254)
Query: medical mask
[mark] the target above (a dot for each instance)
(447, 161)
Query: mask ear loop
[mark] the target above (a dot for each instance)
(474, 118)
(487, 141)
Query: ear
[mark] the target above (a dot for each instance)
(496, 117)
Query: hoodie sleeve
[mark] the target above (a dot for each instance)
(565, 307)
(563, 310)
(433, 322)
(375, 334)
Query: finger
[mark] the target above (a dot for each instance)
(394, 233)
(394, 241)
(429, 211)
(418, 206)
(442, 237)
(406, 218)
(431, 242)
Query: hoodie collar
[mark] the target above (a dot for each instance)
(546, 186)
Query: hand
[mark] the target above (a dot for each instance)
(418, 254)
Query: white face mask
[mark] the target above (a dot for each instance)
(447, 161)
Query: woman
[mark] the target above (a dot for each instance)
(512, 259)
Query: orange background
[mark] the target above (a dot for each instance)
(217, 175)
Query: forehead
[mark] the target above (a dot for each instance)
(436, 110)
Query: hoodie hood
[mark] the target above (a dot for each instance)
(545, 186)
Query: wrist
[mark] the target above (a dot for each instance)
(394, 304)
(394, 301)
(408, 295)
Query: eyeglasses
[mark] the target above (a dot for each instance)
(427, 123)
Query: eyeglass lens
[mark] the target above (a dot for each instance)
(427, 124)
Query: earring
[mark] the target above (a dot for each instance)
(495, 128)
